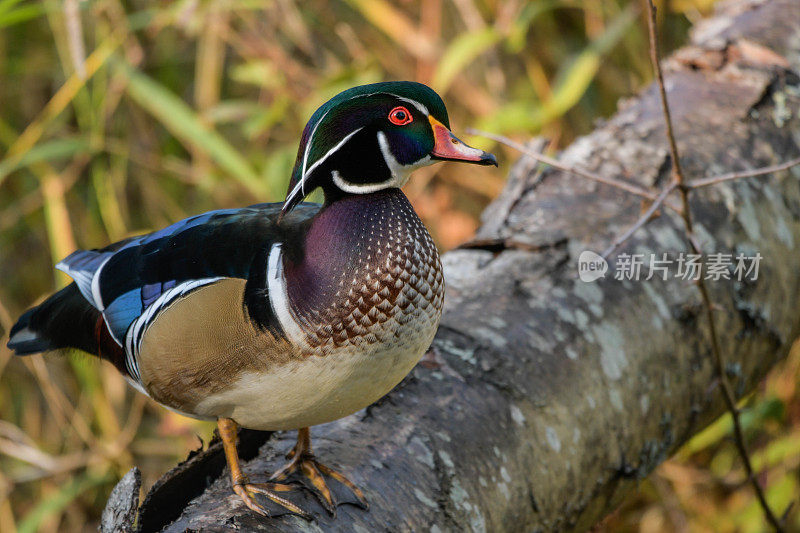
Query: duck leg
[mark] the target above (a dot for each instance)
(303, 460)
(228, 433)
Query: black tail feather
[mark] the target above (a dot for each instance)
(23, 340)
(65, 320)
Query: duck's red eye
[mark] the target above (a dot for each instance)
(400, 116)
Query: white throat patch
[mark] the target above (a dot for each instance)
(400, 173)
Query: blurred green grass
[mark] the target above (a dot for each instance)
(119, 118)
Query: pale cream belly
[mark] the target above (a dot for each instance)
(314, 390)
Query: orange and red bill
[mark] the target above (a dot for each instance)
(448, 147)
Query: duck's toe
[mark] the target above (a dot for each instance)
(315, 473)
(330, 472)
(269, 490)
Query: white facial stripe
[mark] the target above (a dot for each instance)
(296, 190)
(308, 149)
(329, 152)
(299, 188)
(412, 102)
(279, 297)
(399, 172)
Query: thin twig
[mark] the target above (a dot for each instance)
(499, 244)
(619, 184)
(712, 180)
(719, 366)
(659, 200)
(673, 147)
(642, 220)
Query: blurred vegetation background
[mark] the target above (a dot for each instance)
(119, 118)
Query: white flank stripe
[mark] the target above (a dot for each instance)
(137, 329)
(279, 297)
(136, 385)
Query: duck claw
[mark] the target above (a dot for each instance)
(303, 461)
(246, 491)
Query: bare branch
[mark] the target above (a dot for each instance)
(673, 147)
(646, 216)
(500, 244)
(719, 366)
(713, 180)
(619, 184)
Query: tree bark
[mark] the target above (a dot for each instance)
(545, 399)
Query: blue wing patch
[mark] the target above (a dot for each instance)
(122, 312)
(152, 291)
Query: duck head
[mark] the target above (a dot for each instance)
(372, 137)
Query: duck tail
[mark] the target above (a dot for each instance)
(64, 320)
(25, 341)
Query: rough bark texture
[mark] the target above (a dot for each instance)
(119, 516)
(544, 399)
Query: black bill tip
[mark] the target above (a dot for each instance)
(488, 159)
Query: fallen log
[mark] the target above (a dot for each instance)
(545, 399)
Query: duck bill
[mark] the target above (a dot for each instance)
(448, 147)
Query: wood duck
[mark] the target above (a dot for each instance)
(277, 316)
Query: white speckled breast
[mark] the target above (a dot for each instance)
(390, 297)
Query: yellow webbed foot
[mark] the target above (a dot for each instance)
(245, 490)
(303, 461)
